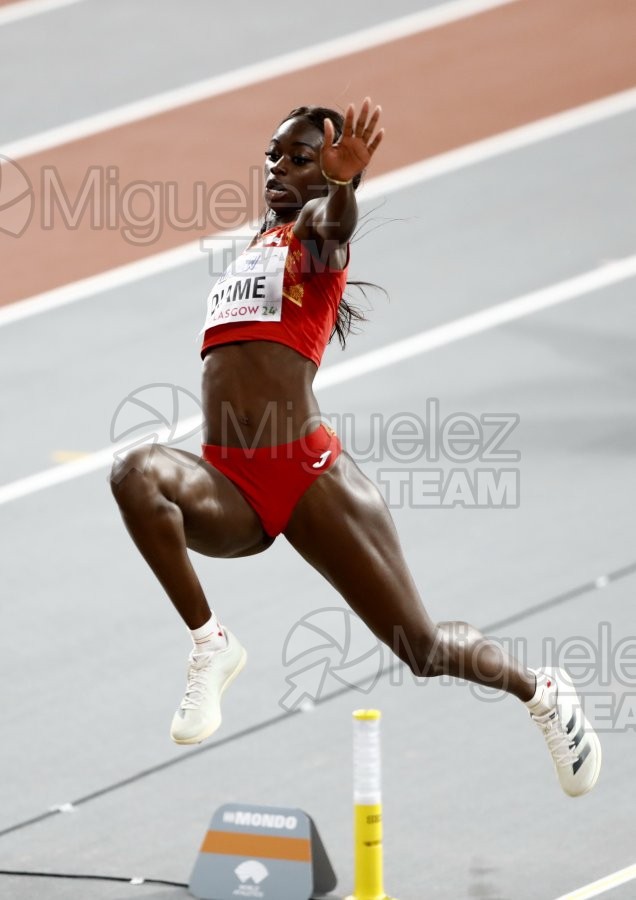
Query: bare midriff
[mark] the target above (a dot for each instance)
(257, 394)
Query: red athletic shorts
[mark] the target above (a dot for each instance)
(273, 479)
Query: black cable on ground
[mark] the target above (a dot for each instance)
(136, 881)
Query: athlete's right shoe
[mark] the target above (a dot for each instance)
(199, 714)
(571, 740)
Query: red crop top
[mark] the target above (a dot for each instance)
(276, 291)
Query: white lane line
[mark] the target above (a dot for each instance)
(443, 335)
(603, 885)
(105, 281)
(501, 314)
(27, 8)
(506, 142)
(297, 60)
(436, 166)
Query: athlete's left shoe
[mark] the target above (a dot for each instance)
(199, 714)
(571, 740)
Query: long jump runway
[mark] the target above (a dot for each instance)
(92, 655)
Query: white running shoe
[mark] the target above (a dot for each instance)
(199, 714)
(573, 743)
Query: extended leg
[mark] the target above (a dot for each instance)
(344, 529)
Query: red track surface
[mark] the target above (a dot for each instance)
(439, 89)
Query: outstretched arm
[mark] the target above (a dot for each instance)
(334, 217)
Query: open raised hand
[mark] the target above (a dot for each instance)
(342, 161)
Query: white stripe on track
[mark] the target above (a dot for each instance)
(484, 320)
(427, 169)
(27, 8)
(425, 341)
(505, 142)
(603, 885)
(375, 36)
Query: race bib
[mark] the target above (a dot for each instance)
(250, 290)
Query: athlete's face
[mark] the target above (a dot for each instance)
(292, 167)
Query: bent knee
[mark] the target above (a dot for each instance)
(131, 470)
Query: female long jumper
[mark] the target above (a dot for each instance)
(269, 465)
